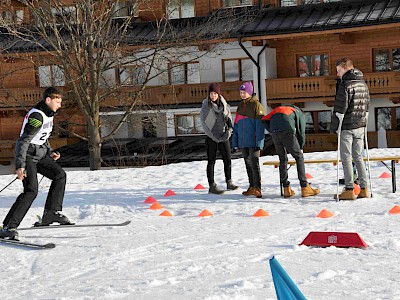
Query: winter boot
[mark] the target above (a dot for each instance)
(249, 191)
(363, 193)
(52, 216)
(288, 192)
(257, 192)
(309, 191)
(231, 186)
(347, 194)
(9, 233)
(214, 189)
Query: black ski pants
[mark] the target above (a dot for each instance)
(225, 150)
(50, 169)
(251, 159)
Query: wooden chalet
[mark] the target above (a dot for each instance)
(287, 48)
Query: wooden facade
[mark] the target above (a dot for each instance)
(20, 89)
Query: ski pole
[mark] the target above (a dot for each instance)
(340, 117)
(368, 162)
(8, 184)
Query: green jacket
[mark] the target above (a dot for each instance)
(287, 118)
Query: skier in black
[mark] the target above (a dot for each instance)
(33, 154)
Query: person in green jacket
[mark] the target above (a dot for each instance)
(287, 127)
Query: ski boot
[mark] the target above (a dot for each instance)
(52, 216)
(9, 233)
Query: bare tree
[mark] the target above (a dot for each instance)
(86, 43)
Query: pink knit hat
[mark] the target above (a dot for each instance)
(247, 87)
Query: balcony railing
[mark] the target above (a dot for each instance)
(152, 95)
(379, 83)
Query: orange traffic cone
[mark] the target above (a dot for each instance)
(395, 210)
(169, 193)
(166, 213)
(199, 187)
(324, 214)
(156, 206)
(260, 213)
(150, 199)
(385, 175)
(356, 189)
(205, 213)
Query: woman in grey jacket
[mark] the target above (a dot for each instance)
(216, 119)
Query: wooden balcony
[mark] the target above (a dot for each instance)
(303, 89)
(175, 94)
(153, 95)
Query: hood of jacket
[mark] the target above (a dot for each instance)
(353, 74)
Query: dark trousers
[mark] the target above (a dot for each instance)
(50, 169)
(225, 150)
(287, 142)
(251, 160)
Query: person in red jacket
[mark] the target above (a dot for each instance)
(287, 127)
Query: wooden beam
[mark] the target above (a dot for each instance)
(346, 38)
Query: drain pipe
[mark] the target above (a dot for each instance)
(255, 62)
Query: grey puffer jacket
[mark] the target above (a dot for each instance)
(216, 120)
(352, 100)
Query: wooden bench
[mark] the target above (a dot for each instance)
(392, 168)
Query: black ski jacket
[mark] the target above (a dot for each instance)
(352, 100)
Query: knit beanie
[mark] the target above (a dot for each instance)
(247, 87)
(214, 87)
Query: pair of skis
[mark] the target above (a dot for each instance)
(52, 245)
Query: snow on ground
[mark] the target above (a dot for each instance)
(225, 256)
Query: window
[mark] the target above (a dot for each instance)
(19, 16)
(388, 118)
(184, 73)
(387, 60)
(64, 14)
(51, 76)
(131, 75)
(237, 69)
(313, 65)
(6, 16)
(318, 121)
(177, 9)
(233, 3)
(123, 9)
(188, 124)
(299, 2)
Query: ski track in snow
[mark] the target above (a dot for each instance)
(225, 256)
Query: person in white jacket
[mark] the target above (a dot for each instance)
(216, 120)
(33, 155)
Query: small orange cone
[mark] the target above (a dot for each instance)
(395, 210)
(199, 187)
(150, 199)
(356, 189)
(260, 213)
(166, 213)
(205, 213)
(385, 175)
(169, 193)
(325, 214)
(308, 176)
(156, 206)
